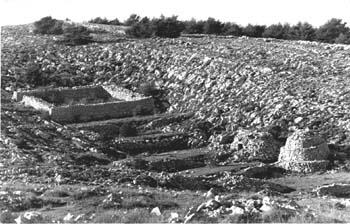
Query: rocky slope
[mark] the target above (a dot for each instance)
(270, 86)
(232, 83)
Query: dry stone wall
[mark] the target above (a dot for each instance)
(64, 95)
(81, 113)
(304, 152)
(50, 100)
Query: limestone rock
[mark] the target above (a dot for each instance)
(255, 146)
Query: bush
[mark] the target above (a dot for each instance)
(159, 96)
(141, 29)
(194, 27)
(253, 30)
(302, 31)
(232, 29)
(99, 20)
(127, 130)
(277, 31)
(148, 89)
(115, 22)
(167, 27)
(213, 26)
(48, 25)
(343, 38)
(77, 35)
(330, 31)
(132, 20)
(33, 75)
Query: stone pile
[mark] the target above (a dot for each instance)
(247, 146)
(254, 209)
(304, 152)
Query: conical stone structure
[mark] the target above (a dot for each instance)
(304, 152)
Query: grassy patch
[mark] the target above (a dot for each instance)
(139, 215)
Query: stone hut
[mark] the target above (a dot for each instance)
(304, 152)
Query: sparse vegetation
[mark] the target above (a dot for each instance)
(186, 165)
(167, 27)
(99, 20)
(127, 130)
(48, 25)
(33, 75)
(77, 35)
(331, 30)
(141, 29)
(159, 95)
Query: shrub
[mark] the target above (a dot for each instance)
(159, 96)
(115, 22)
(127, 130)
(302, 31)
(77, 35)
(48, 25)
(253, 30)
(33, 75)
(148, 89)
(277, 31)
(343, 38)
(167, 27)
(194, 27)
(99, 20)
(213, 26)
(331, 30)
(232, 29)
(141, 29)
(132, 20)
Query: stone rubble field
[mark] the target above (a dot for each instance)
(258, 130)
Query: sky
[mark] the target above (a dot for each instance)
(262, 12)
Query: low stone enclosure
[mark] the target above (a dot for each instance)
(86, 103)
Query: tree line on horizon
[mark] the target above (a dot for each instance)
(333, 31)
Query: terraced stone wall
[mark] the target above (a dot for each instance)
(81, 113)
(64, 95)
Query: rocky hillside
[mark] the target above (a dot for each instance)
(243, 96)
(232, 83)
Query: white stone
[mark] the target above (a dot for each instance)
(156, 211)
(33, 216)
(298, 120)
(174, 217)
(68, 217)
(236, 210)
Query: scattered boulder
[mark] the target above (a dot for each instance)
(156, 211)
(304, 152)
(238, 183)
(250, 209)
(29, 217)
